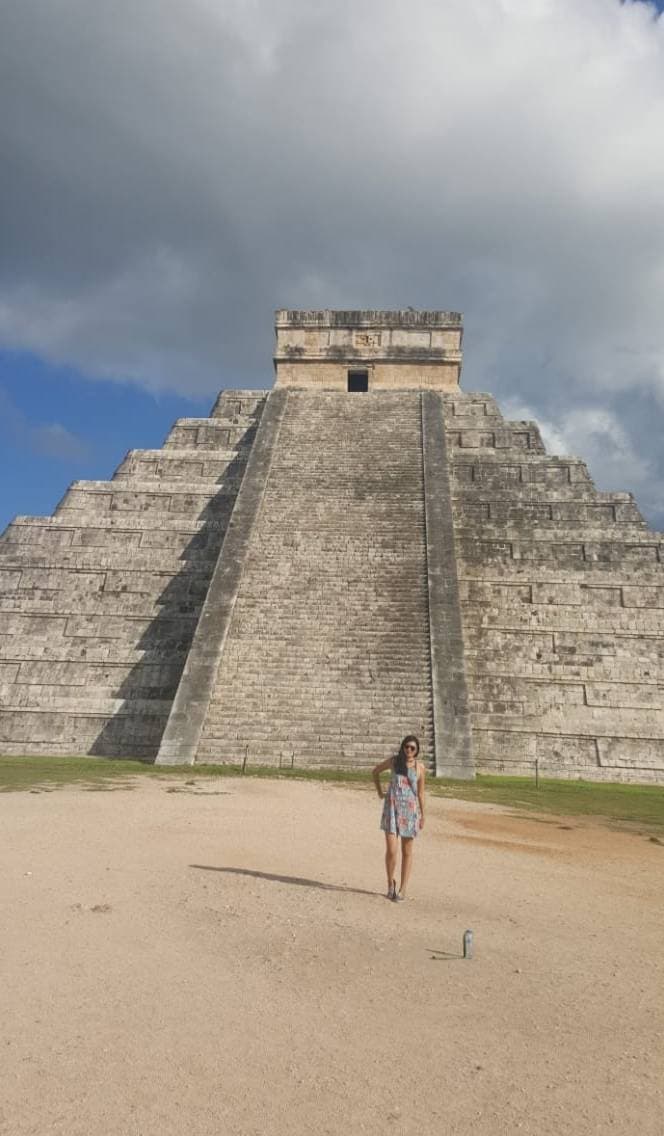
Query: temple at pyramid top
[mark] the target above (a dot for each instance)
(368, 350)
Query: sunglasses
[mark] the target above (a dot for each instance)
(411, 747)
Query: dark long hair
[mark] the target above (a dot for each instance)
(400, 761)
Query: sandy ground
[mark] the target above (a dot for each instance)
(219, 958)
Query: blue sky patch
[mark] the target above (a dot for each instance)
(57, 426)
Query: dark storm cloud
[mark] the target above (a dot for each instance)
(172, 171)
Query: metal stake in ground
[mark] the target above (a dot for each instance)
(468, 944)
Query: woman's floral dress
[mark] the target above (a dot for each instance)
(401, 809)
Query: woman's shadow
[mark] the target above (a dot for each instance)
(299, 881)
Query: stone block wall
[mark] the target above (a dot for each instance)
(562, 592)
(401, 350)
(99, 603)
(385, 375)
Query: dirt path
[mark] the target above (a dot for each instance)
(218, 958)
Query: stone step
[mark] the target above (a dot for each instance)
(506, 492)
(93, 558)
(17, 648)
(130, 629)
(329, 703)
(562, 618)
(98, 498)
(106, 606)
(495, 516)
(330, 673)
(207, 438)
(220, 423)
(472, 421)
(56, 544)
(368, 742)
(305, 730)
(67, 724)
(561, 534)
(502, 440)
(77, 674)
(305, 737)
(130, 533)
(123, 581)
(239, 401)
(180, 465)
(79, 742)
(51, 699)
(102, 699)
(491, 459)
(541, 572)
(346, 721)
(591, 667)
(313, 756)
(26, 528)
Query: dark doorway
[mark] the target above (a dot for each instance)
(358, 380)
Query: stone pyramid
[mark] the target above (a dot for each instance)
(314, 571)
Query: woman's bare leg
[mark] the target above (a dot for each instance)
(391, 846)
(406, 862)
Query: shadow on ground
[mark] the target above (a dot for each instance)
(299, 881)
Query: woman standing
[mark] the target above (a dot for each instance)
(403, 811)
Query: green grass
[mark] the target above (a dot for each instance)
(638, 804)
(21, 773)
(624, 804)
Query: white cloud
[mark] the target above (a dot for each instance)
(103, 321)
(175, 169)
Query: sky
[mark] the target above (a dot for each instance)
(174, 170)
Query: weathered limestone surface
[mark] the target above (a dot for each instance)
(306, 575)
(329, 376)
(99, 603)
(452, 736)
(402, 350)
(562, 591)
(181, 739)
(327, 657)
